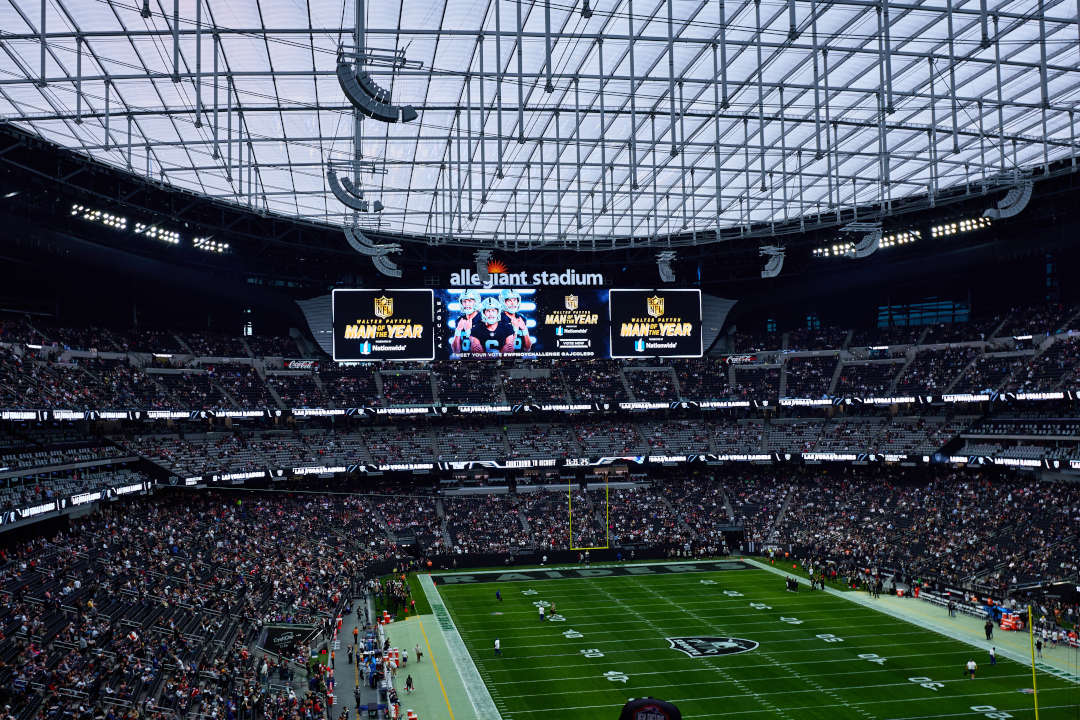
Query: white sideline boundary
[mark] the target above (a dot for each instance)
(858, 599)
(475, 688)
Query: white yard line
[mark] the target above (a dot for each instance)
(475, 688)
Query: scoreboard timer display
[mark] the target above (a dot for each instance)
(655, 323)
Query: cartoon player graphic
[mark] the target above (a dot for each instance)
(463, 339)
(511, 302)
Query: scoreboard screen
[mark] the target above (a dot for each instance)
(527, 322)
(655, 323)
(522, 322)
(383, 325)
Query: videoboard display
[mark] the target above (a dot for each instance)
(383, 325)
(655, 323)
(539, 322)
(522, 322)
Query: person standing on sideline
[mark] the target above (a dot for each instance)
(408, 685)
(498, 647)
(1038, 647)
(541, 609)
(993, 656)
(404, 657)
(418, 653)
(355, 635)
(498, 596)
(971, 668)
(989, 628)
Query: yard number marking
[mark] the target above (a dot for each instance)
(930, 684)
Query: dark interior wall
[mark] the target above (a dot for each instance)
(78, 282)
(58, 264)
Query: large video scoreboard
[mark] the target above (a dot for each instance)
(655, 323)
(383, 325)
(540, 322)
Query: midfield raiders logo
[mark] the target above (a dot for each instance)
(698, 647)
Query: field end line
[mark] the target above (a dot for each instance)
(475, 689)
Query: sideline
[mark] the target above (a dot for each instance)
(475, 689)
(923, 622)
(435, 665)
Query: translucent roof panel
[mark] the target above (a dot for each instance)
(554, 124)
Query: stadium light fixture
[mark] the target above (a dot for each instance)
(960, 226)
(849, 249)
(116, 222)
(155, 233)
(208, 244)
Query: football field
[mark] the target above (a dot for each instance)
(719, 639)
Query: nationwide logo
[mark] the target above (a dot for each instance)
(384, 307)
(698, 647)
(655, 306)
(571, 302)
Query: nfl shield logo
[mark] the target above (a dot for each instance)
(384, 307)
(571, 302)
(655, 306)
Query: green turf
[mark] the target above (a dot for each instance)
(807, 665)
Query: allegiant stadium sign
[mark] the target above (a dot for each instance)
(469, 278)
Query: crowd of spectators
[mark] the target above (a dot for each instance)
(652, 385)
(151, 608)
(407, 388)
(541, 390)
(757, 382)
(809, 376)
(215, 344)
(934, 370)
(866, 379)
(826, 338)
(989, 372)
(467, 383)
(486, 523)
(594, 380)
(36, 379)
(703, 378)
(298, 388)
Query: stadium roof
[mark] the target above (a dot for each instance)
(548, 124)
